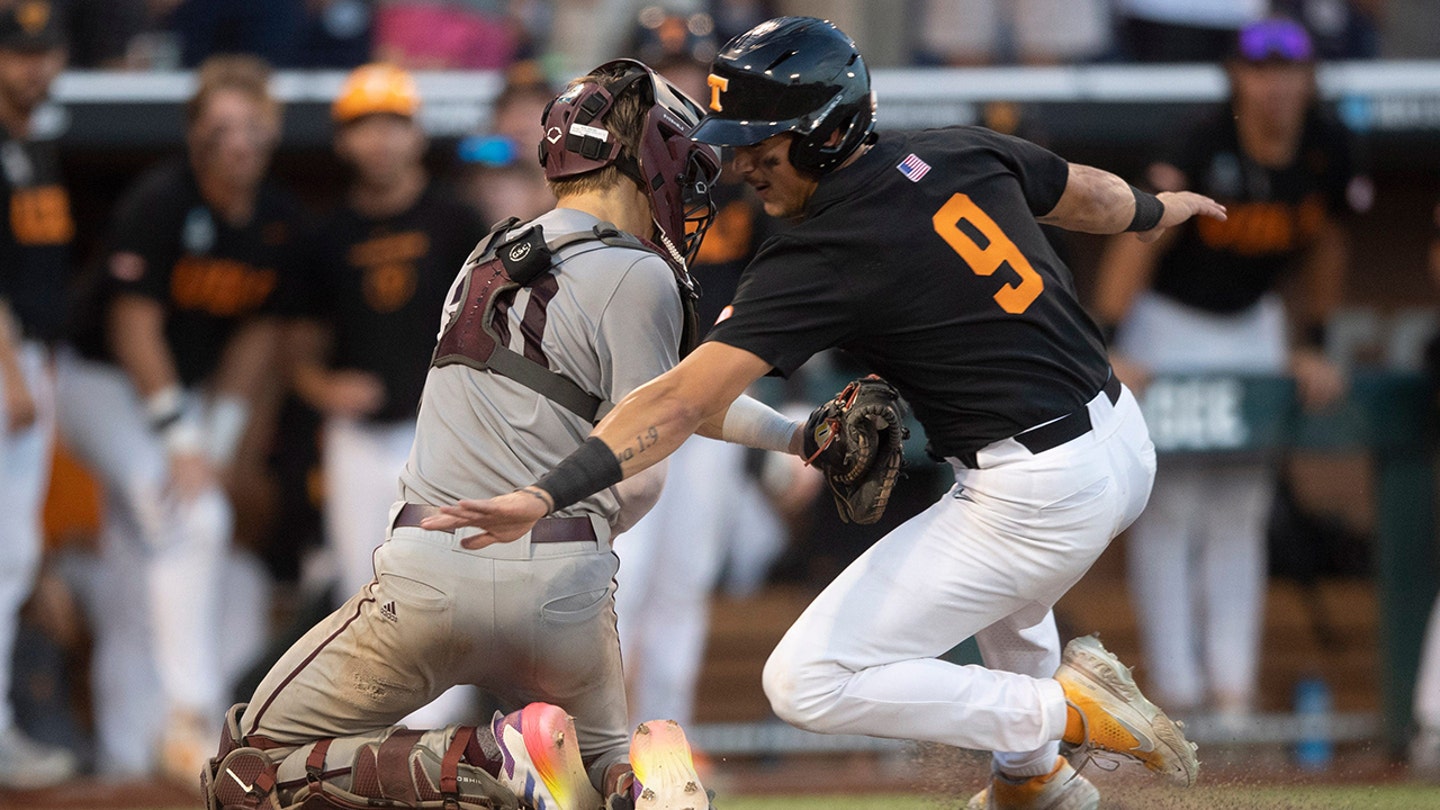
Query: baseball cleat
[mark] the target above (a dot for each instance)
(1117, 719)
(1061, 789)
(665, 777)
(540, 759)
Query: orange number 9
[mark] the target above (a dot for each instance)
(984, 261)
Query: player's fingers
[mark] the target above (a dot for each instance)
(442, 523)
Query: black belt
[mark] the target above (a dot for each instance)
(1071, 426)
(547, 530)
(1050, 435)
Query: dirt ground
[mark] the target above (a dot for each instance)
(943, 773)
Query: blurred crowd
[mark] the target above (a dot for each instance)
(477, 34)
(232, 375)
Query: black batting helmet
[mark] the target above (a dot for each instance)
(674, 171)
(791, 74)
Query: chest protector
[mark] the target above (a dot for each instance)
(476, 329)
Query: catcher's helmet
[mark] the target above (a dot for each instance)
(791, 74)
(676, 172)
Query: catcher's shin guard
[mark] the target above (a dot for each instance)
(402, 768)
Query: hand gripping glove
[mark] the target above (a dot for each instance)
(857, 441)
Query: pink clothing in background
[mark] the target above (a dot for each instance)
(435, 35)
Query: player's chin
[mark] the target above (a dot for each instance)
(779, 209)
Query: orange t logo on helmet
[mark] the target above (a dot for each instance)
(718, 85)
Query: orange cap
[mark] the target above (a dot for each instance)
(376, 88)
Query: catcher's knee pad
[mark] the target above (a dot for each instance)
(243, 779)
(238, 776)
(400, 768)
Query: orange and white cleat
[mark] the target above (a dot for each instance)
(540, 759)
(1117, 719)
(1061, 789)
(665, 775)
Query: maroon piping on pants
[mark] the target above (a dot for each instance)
(255, 724)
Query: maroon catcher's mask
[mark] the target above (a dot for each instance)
(676, 172)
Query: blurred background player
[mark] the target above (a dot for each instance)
(972, 32)
(35, 240)
(1206, 298)
(176, 338)
(382, 264)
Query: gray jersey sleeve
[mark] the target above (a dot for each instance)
(638, 334)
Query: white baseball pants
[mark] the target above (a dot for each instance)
(988, 560)
(1427, 682)
(24, 475)
(165, 555)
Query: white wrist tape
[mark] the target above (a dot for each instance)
(165, 406)
(754, 424)
(225, 422)
(184, 436)
(172, 416)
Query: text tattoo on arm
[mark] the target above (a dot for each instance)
(985, 259)
(642, 443)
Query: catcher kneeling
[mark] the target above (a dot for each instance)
(420, 769)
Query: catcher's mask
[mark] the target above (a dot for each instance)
(674, 171)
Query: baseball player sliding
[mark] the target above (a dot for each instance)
(922, 255)
(545, 326)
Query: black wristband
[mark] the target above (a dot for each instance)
(1148, 210)
(591, 468)
(1313, 336)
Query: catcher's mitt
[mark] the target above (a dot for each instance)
(856, 439)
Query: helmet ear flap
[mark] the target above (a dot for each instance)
(816, 154)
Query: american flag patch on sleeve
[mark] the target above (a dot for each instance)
(913, 167)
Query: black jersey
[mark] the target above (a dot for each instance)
(35, 236)
(168, 245)
(924, 260)
(379, 284)
(1273, 215)
(740, 227)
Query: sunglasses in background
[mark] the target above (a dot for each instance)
(1282, 40)
(488, 150)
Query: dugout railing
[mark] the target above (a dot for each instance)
(1112, 109)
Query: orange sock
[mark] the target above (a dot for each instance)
(1074, 726)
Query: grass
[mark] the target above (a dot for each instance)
(1223, 797)
(1307, 797)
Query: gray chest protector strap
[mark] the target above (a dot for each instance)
(476, 332)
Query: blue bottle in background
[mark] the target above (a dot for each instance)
(1313, 750)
